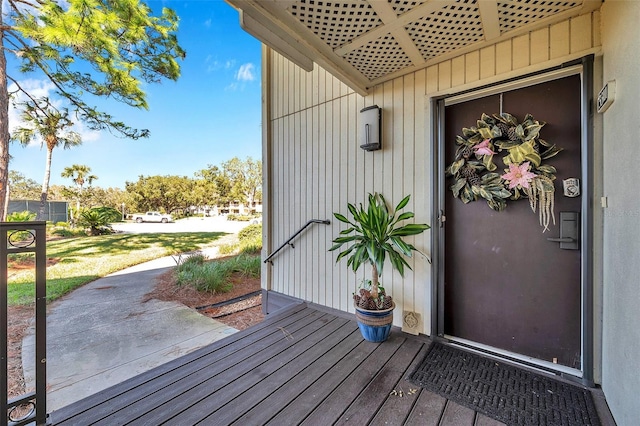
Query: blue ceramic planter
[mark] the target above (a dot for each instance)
(375, 326)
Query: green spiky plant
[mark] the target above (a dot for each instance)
(97, 220)
(376, 233)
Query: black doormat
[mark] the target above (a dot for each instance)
(503, 392)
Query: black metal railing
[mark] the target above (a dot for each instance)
(288, 242)
(18, 238)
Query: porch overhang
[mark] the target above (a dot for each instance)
(367, 42)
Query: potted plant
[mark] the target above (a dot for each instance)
(376, 233)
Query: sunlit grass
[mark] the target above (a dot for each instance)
(77, 261)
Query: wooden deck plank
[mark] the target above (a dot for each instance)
(272, 404)
(457, 415)
(218, 403)
(111, 400)
(368, 403)
(284, 375)
(400, 405)
(175, 400)
(300, 407)
(330, 410)
(427, 410)
(304, 366)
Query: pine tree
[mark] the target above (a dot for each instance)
(85, 49)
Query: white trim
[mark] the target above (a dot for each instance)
(513, 85)
(279, 40)
(267, 180)
(531, 362)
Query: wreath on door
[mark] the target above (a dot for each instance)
(524, 153)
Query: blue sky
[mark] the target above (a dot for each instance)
(210, 115)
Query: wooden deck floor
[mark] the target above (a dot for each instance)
(297, 367)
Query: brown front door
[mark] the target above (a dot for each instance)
(506, 285)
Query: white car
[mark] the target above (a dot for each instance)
(152, 217)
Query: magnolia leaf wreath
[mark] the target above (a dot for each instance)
(525, 154)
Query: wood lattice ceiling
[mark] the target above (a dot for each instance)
(368, 42)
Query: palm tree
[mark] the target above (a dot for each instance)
(51, 127)
(79, 174)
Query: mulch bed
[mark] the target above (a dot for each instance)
(239, 315)
(19, 319)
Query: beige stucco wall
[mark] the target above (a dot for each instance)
(315, 166)
(621, 264)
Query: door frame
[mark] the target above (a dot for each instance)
(584, 68)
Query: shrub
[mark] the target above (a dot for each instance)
(23, 216)
(195, 259)
(246, 265)
(251, 247)
(250, 232)
(249, 241)
(97, 220)
(213, 276)
(226, 249)
(109, 213)
(210, 277)
(240, 217)
(64, 229)
(67, 232)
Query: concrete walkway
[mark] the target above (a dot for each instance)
(103, 333)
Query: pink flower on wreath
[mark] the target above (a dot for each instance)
(483, 148)
(518, 175)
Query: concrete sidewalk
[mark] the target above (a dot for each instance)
(103, 333)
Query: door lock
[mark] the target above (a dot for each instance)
(569, 231)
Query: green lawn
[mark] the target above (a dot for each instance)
(77, 261)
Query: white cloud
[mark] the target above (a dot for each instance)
(40, 89)
(37, 88)
(246, 72)
(207, 23)
(215, 65)
(232, 87)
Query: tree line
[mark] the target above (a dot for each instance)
(235, 180)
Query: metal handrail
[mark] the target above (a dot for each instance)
(288, 242)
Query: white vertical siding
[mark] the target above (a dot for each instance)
(540, 42)
(472, 69)
(560, 40)
(520, 49)
(318, 167)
